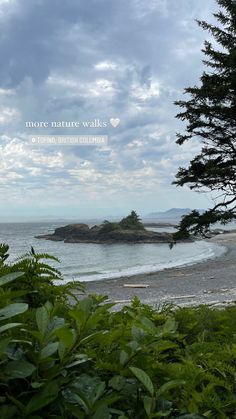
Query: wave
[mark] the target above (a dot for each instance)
(209, 251)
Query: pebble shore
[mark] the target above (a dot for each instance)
(210, 282)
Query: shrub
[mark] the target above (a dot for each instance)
(88, 361)
(107, 227)
(37, 279)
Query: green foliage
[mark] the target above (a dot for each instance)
(37, 277)
(87, 360)
(107, 227)
(132, 222)
(209, 113)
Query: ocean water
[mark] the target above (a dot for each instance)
(88, 262)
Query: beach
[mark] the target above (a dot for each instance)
(210, 282)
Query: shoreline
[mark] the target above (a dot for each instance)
(211, 281)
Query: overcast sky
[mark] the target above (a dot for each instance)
(80, 60)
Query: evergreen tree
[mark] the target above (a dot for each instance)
(132, 221)
(210, 114)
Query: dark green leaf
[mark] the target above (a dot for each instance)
(13, 310)
(42, 319)
(147, 402)
(9, 326)
(143, 378)
(49, 350)
(169, 385)
(20, 369)
(6, 279)
(43, 398)
(66, 336)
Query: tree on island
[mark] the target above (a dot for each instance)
(132, 221)
(210, 113)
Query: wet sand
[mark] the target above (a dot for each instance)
(209, 282)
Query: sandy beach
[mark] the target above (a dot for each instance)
(212, 282)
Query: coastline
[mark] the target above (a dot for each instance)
(211, 281)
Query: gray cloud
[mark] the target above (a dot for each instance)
(99, 59)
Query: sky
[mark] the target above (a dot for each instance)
(80, 60)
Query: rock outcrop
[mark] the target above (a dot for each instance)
(81, 233)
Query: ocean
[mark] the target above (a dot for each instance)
(89, 262)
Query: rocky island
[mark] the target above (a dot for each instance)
(128, 230)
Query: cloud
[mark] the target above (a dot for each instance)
(143, 9)
(8, 115)
(105, 65)
(69, 61)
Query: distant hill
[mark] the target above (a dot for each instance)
(173, 214)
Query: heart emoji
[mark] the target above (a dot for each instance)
(114, 122)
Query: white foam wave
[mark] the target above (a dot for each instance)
(208, 251)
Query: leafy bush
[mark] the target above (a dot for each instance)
(86, 360)
(107, 227)
(37, 279)
(131, 222)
